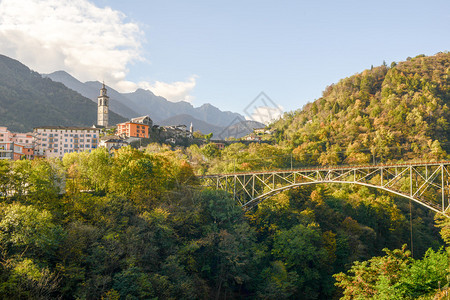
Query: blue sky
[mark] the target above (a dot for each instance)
(227, 52)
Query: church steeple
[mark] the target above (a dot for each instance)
(102, 112)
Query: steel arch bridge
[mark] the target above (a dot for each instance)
(426, 183)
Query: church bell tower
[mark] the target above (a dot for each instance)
(102, 114)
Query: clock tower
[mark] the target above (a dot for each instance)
(102, 113)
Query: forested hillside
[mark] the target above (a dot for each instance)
(138, 225)
(393, 113)
(148, 230)
(27, 100)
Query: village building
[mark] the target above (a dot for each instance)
(219, 145)
(178, 131)
(14, 146)
(5, 135)
(135, 128)
(55, 141)
(9, 151)
(112, 143)
(259, 130)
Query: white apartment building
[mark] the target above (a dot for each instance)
(55, 141)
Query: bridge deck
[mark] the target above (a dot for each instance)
(326, 168)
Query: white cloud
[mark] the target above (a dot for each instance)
(175, 91)
(89, 42)
(265, 114)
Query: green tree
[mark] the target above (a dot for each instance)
(23, 228)
(302, 250)
(4, 177)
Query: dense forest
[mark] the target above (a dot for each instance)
(393, 113)
(137, 224)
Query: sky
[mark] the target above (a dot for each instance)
(221, 52)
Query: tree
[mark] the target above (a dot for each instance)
(208, 137)
(210, 151)
(4, 177)
(26, 229)
(377, 275)
(278, 282)
(302, 250)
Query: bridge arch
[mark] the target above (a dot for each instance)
(424, 183)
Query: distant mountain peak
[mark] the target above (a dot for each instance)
(145, 102)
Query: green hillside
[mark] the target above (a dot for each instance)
(27, 100)
(147, 228)
(397, 112)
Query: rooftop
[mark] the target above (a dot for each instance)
(67, 127)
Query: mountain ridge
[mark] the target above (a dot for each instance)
(145, 102)
(28, 100)
(91, 91)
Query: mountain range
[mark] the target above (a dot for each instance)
(28, 100)
(144, 102)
